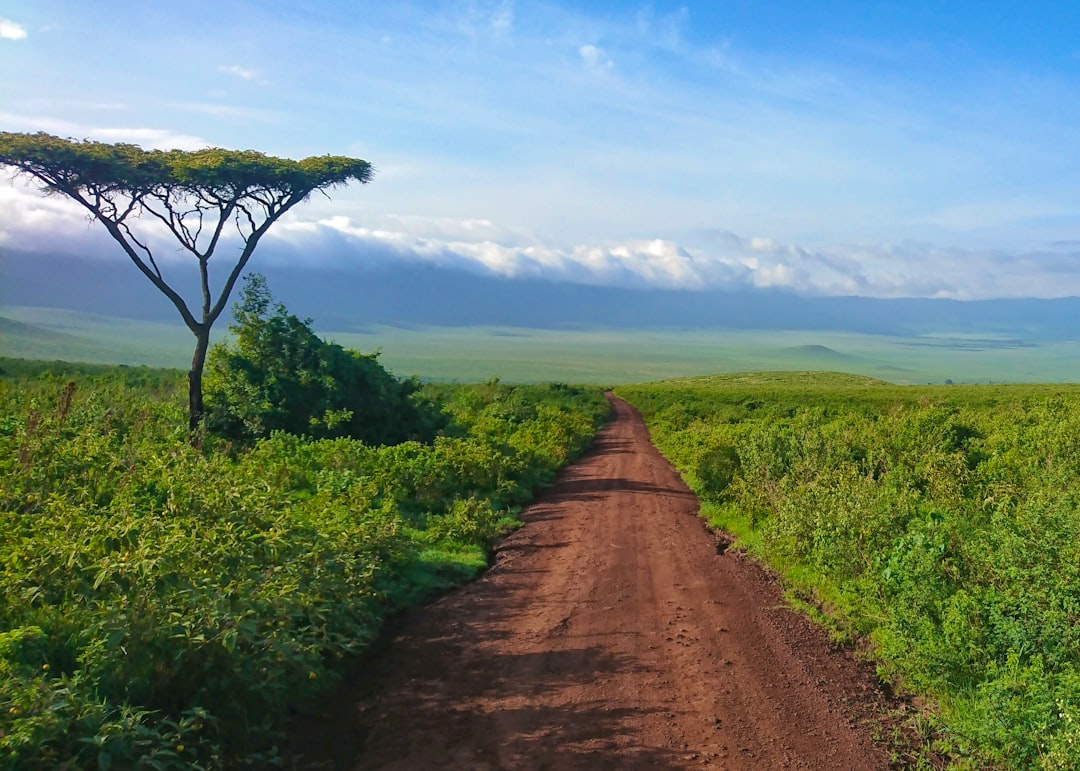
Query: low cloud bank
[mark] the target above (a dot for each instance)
(715, 260)
(709, 259)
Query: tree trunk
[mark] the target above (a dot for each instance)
(195, 377)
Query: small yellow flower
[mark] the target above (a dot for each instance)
(45, 667)
(312, 676)
(179, 747)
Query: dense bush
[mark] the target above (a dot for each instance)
(161, 606)
(276, 374)
(943, 524)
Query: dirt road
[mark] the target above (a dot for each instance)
(611, 632)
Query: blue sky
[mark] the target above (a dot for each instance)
(871, 148)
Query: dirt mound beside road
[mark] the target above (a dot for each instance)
(612, 632)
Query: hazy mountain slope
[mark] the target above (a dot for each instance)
(412, 294)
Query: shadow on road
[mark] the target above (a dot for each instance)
(477, 708)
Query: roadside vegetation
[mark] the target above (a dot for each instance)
(162, 605)
(941, 524)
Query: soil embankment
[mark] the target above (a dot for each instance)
(611, 632)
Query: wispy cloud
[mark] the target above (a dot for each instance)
(83, 104)
(595, 59)
(477, 19)
(9, 30)
(663, 30)
(244, 73)
(220, 110)
(502, 18)
(148, 138)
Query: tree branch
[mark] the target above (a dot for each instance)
(149, 255)
(226, 214)
(172, 221)
(249, 249)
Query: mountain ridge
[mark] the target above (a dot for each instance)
(410, 294)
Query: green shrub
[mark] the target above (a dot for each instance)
(715, 470)
(278, 375)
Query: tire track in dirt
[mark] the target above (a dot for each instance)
(611, 632)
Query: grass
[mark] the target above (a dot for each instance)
(50, 333)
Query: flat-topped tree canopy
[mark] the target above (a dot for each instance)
(194, 194)
(64, 165)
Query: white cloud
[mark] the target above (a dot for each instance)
(480, 246)
(595, 59)
(35, 222)
(25, 210)
(147, 138)
(664, 30)
(9, 30)
(245, 73)
(906, 269)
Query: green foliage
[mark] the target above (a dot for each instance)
(716, 468)
(134, 377)
(278, 375)
(943, 524)
(162, 606)
(65, 164)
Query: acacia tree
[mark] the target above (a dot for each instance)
(198, 197)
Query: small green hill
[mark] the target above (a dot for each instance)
(778, 379)
(817, 351)
(23, 340)
(51, 333)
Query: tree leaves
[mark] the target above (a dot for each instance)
(71, 165)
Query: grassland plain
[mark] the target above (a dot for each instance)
(938, 524)
(162, 606)
(602, 356)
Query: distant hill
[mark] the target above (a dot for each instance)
(411, 294)
(47, 333)
(34, 341)
(822, 352)
(11, 327)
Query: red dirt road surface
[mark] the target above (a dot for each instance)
(613, 631)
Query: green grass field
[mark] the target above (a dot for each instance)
(581, 356)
